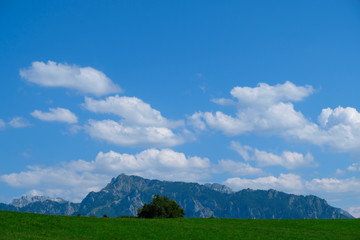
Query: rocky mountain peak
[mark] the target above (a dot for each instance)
(26, 200)
(126, 183)
(219, 187)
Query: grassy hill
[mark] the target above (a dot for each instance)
(14, 225)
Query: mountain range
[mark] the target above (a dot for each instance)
(125, 194)
(41, 204)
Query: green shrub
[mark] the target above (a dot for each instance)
(161, 207)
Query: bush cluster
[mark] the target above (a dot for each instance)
(161, 207)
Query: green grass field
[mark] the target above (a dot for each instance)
(35, 226)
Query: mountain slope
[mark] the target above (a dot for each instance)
(125, 194)
(41, 204)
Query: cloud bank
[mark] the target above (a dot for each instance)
(74, 179)
(269, 109)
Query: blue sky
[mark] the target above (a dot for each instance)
(251, 94)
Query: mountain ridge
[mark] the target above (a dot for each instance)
(41, 205)
(125, 194)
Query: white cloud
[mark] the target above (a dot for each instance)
(196, 121)
(140, 124)
(238, 168)
(334, 185)
(19, 122)
(330, 118)
(2, 124)
(73, 180)
(340, 128)
(121, 134)
(328, 188)
(229, 125)
(132, 109)
(266, 95)
(82, 79)
(269, 110)
(153, 163)
(55, 114)
(57, 181)
(285, 182)
(287, 159)
(355, 167)
(277, 118)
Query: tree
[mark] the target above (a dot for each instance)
(161, 207)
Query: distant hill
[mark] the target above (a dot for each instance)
(125, 194)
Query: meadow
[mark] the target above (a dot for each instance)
(14, 225)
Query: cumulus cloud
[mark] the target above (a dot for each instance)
(82, 79)
(19, 122)
(287, 159)
(261, 109)
(74, 179)
(124, 135)
(153, 163)
(196, 121)
(139, 124)
(55, 114)
(229, 125)
(266, 95)
(340, 127)
(330, 118)
(133, 110)
(269, 109)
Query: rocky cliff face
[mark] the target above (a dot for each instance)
(219, 187)
(125, 194)
(26, 200)
(41, 204)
